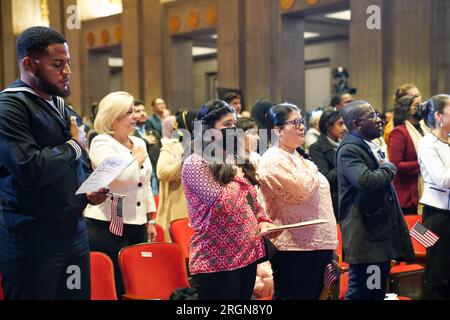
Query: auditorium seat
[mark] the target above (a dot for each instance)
(102, 277)
(343, 266)
(181, 233)
(152, 270)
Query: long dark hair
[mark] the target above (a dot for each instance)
(401, 109)
(209, 113)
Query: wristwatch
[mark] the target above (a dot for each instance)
(152, 221)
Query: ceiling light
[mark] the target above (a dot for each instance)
(341, 15)
(200, 51)
(310, 35)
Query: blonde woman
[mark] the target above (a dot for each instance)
(115, 122)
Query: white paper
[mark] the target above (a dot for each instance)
(294, 226)
(104, 174)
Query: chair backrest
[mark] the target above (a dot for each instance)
(2, 296)
(152, 270)
(160, 236)
(103, 286)
(156, 201)
(181, 233)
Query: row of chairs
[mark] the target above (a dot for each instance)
(149, 270)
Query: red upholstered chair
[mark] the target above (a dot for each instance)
(2, 296)
(343, 266)
(160, 237)
(103, 286)
(343, 285)
(181, 233)
(152, 270)
(156, 201)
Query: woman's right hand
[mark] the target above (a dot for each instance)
(139, 154)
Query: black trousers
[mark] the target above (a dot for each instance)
(227, 285)
(437, 271)
(298, 275)
(41, 265)
(100, 239)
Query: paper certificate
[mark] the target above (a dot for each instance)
(294, 226)
(104, 174)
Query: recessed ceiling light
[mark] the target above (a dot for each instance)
(341, 15)
(200, 51)
(214, 36)
(115, 62)
(309, 35)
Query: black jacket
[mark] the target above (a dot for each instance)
(323, 155)
(372, 223)
(39, 172)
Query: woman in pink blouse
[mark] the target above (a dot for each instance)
(226, 246)
(296, 191)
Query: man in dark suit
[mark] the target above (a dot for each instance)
(152, 140)
(44, 248)
(154, 122)
(373, 229)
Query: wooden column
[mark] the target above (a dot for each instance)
(292, 66)
(408, 32)
(230, 44)
(132, 48)
(152, 50)
(73, 37)
(262, 42)
(10, 69)
(366, 54)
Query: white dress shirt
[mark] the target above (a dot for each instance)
(133, 182)
(434, 160)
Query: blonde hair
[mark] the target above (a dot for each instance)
(113, 106)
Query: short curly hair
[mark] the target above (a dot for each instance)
(34, 41)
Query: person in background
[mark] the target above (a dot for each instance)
(339, 100)
(295, 191)
(152, 140)
(234, 100)
(313, 133)
(403, 147)
(323, 152)
(172, 201)
(434, 159)
(224, 213)
(115, 123)
(154, 122)
(374, 231)
(407, 89)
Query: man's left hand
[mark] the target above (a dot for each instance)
(96, 198)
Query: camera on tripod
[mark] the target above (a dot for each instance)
(341, 75)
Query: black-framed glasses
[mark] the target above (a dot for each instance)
(297, 122)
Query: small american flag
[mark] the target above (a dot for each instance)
(116, 225)
(331, 275)
(424, 236)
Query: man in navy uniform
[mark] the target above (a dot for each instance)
(44, 249)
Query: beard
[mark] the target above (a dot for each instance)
(51, 89)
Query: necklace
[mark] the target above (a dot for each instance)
(437, 137)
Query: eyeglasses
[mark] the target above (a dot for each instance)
(372, 117)
(297, 122)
